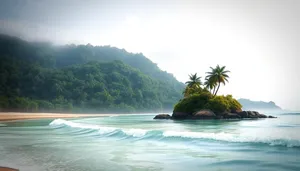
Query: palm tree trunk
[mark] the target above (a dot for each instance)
(217, 88)
(214, 90)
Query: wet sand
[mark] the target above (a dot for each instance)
(12, 116)
(7, 169)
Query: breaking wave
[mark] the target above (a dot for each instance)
(140, 134)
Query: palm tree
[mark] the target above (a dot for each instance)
(210, 85)
(194, 81)
(217, 76)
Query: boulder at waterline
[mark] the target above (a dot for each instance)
(162, 116)
(179, 115)
(255, 114)
(204, 114)
(243, 114)
(228, 115)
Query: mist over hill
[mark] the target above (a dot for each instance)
(259, 105)
(37, 76)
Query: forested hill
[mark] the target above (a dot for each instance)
(83, 78)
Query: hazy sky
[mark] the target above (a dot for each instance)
(257, 40)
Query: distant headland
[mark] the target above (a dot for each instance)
(259, 105)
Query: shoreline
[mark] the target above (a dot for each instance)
(14, 116)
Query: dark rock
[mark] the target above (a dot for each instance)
(236, 111)
(219, 117)
(256, 113)
(208, 114)
(204, 114)
(179, 115)
(252, 114)
(243, 114)
(227, 115)
(262, 116)
(162, 116)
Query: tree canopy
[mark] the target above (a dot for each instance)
(194, 81)
(215, 77)
(81, 78)
(197, 97)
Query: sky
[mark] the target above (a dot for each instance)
(257, 40)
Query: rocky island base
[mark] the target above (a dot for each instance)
(208, 114)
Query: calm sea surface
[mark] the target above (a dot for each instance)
(137, 142)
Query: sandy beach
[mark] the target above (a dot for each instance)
(11, 116)
(7, 169)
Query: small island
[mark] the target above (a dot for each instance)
(201, 101)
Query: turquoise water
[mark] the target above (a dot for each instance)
(137, 142)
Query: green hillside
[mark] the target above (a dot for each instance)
(84, 78)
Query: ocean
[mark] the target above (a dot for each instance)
(139, 143)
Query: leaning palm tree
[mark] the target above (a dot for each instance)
(194, 81)
(210, 85)
(217, 76)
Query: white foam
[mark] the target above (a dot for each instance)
(101, 129)
(219, 136)
(216, 136)
(222, 136)
(135, 132)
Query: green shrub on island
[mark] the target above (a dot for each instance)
(234, 105)
(188, 91)
(218, 104)
(197, 98)
(205, 100)
(193, 103)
